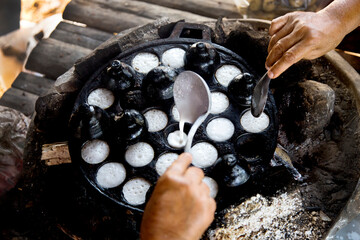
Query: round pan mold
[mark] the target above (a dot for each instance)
(134, 98)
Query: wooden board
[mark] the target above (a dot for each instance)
(208, 8)
(102, 18)
(53, 58)
(19, 100)
(147, 10)
(32, 84)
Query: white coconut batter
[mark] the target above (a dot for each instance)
(220, 129)
(101, 97)
(164, 161)
(252, 124)
(175, 113)
(145, 62)
(139, 154)
(111, 175)
(95, 151)
(135, 190)
(226, 73)
(219, 102)
(204, 154)
(156, 119)
(174, 139)
(213, 186)
(174, 58)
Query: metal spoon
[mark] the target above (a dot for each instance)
(192, 99)
(259, 96)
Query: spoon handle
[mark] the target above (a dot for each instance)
(193, 130)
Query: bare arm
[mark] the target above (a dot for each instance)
(309, 35)
(180, 207)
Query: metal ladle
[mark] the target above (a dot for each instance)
(192, 99)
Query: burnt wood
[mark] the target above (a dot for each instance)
(32, 84)
(19, 100)
(85, 31)
(147, 10)
(99, 17)
(75, 38)
(212, 9)
(52, 57)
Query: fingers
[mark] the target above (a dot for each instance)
(181, 164)
(291, 56)
(286, 30)
(281, 46)
(195, 175)
(277, 24)
(205, 188)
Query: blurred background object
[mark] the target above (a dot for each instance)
(20, 30)
(9, 15)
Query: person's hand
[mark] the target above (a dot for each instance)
(180, 207)
(301, 35)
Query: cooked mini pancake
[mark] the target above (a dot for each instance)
(204, 154)
(164, 161)
(212, 184)
(175, 113)
(226, 73)
(220, 129)
(252, 124)
(95, 151)
(175, 140)
(111, 175)
(139, 154)
(156, 119)
(145, 62)
(135, 190)
(174, 58)
(219, 102)
(101, 97)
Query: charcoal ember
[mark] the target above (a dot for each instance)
(241, 88)
(202, 58)
(158, 83)
(305, 109)
(130, 126)
(122, 76)
(13, 129)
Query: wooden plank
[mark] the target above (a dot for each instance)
(55, 154)
(19, 100)
(101, 18)
(53, 58)
(147, 10)
(211, 9)
(75, 38)
(86, 31)
(32, 84)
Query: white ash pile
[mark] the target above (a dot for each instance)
(279, 217)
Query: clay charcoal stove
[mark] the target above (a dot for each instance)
(311, 134)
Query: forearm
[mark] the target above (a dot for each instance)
(346, 13)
